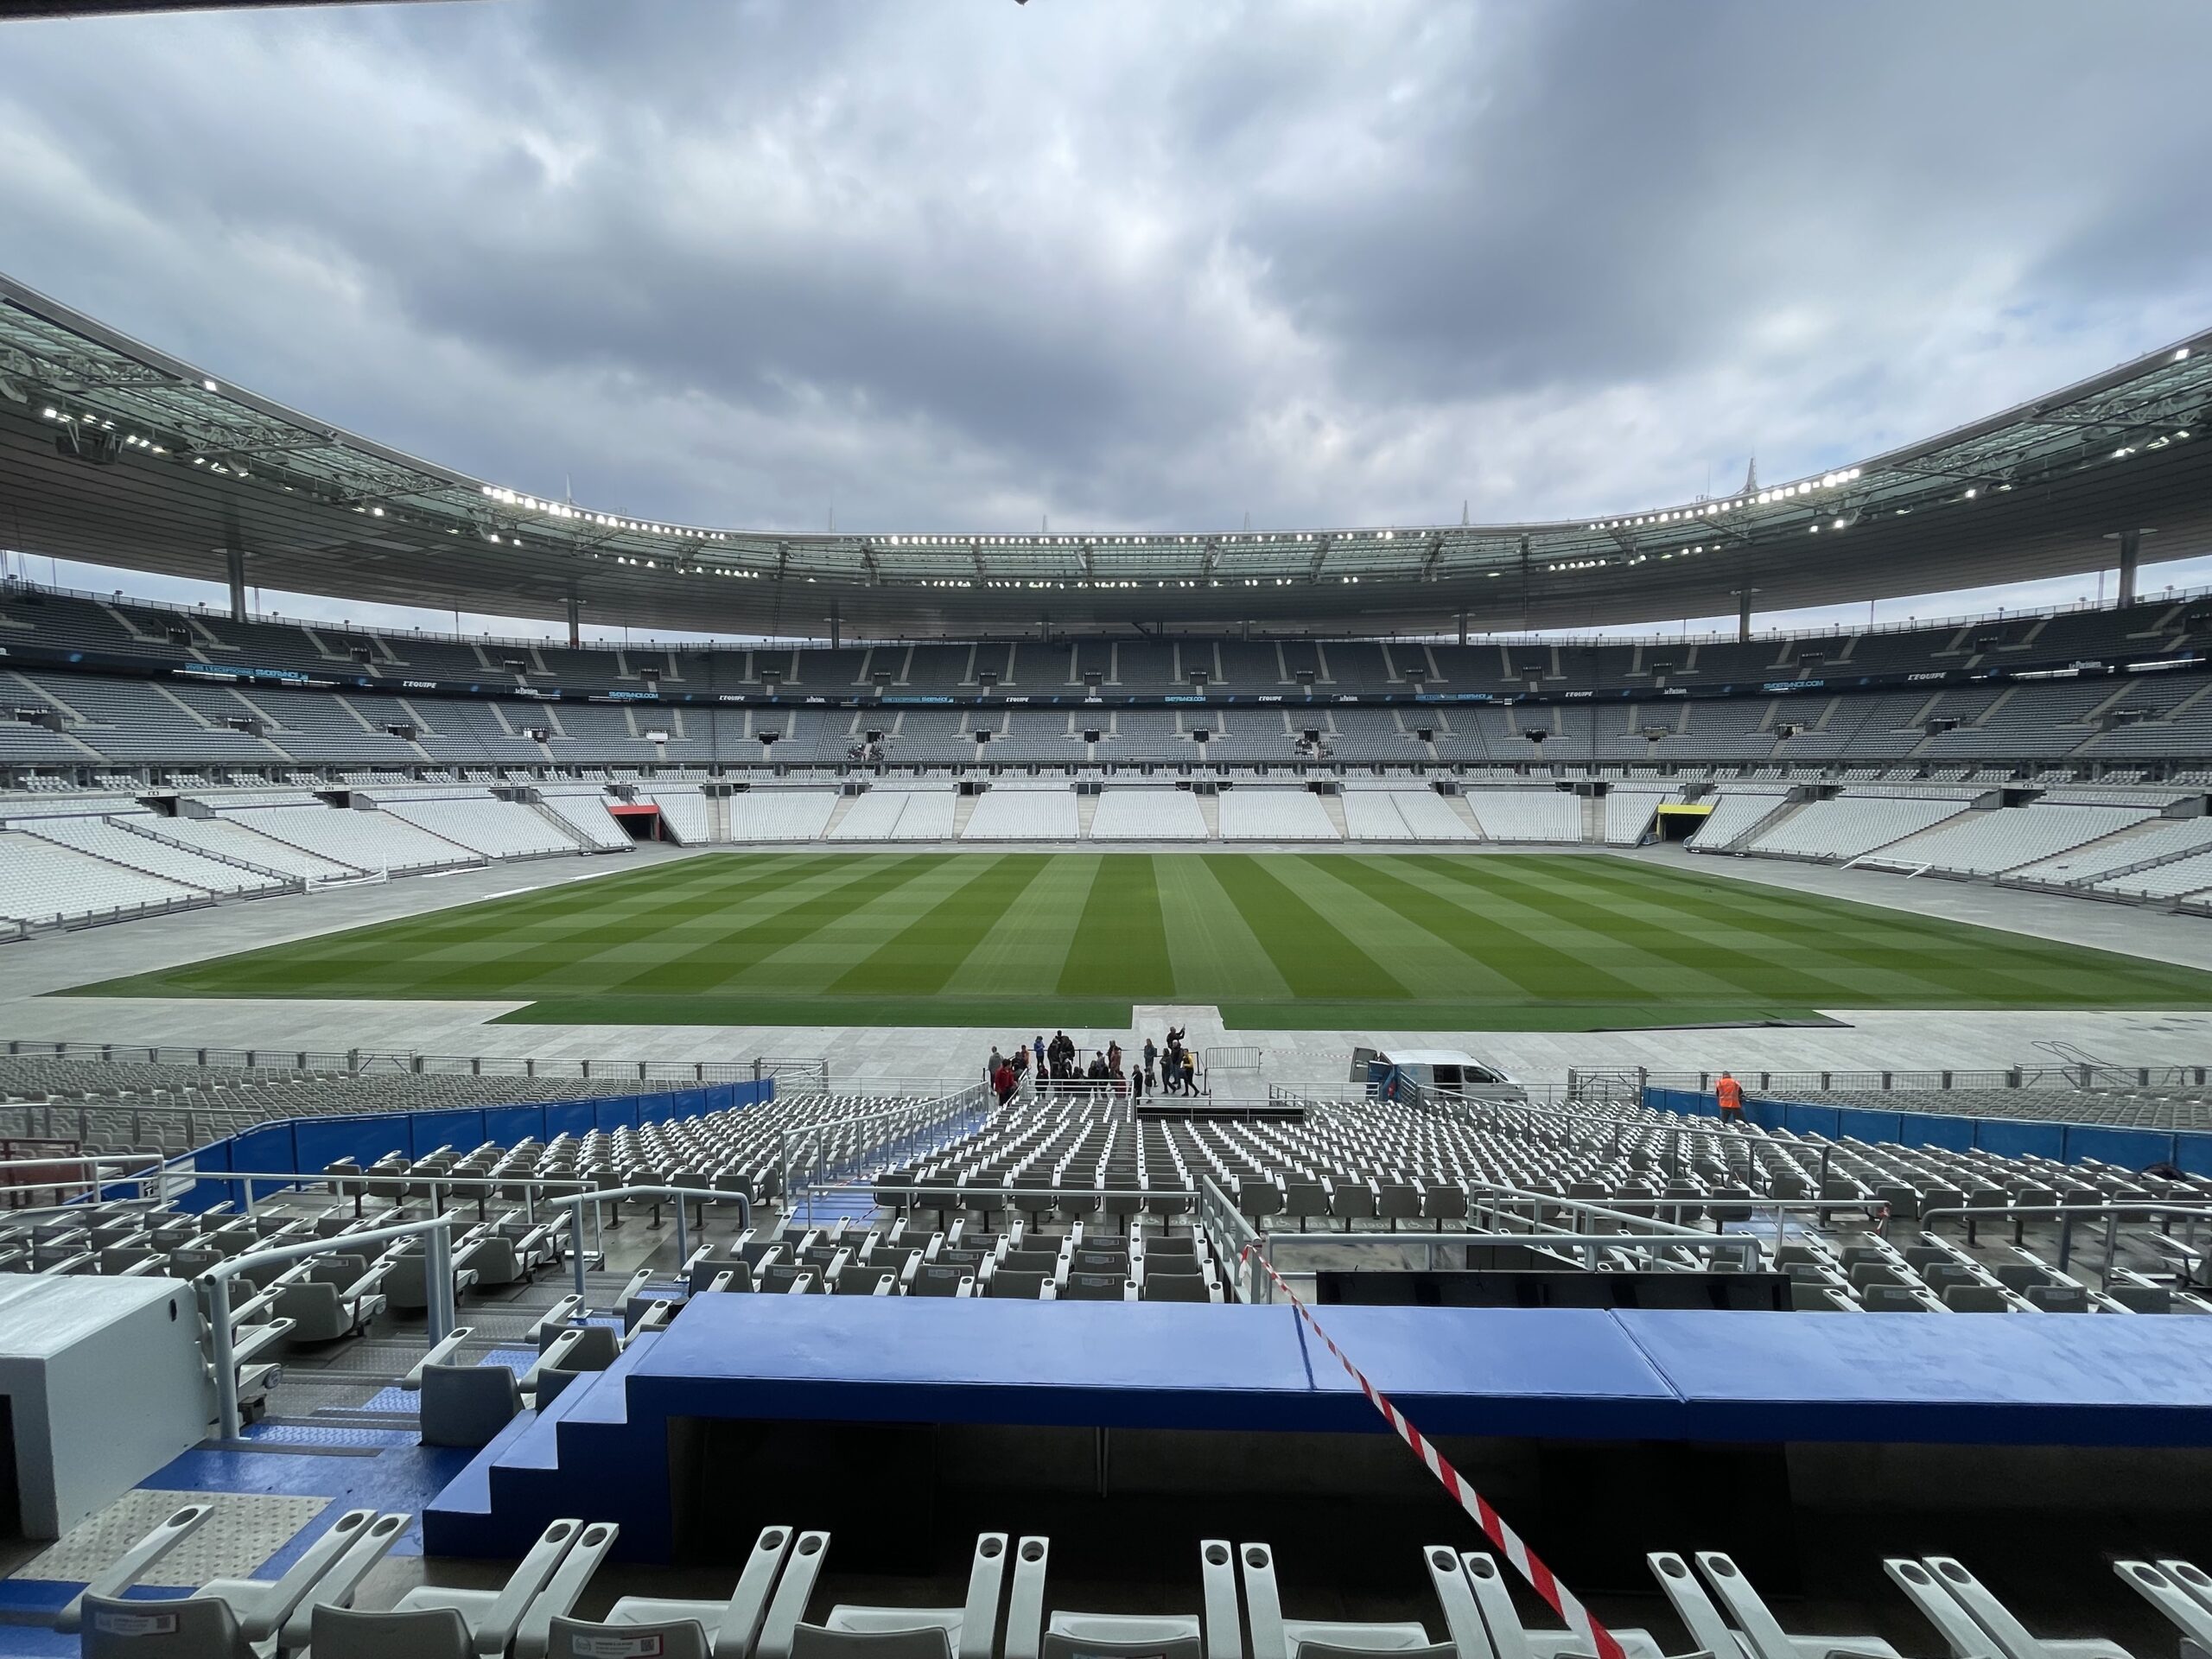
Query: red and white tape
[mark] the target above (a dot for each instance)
(1557, 1596)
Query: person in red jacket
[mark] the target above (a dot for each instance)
(1729, 1094)
(1003, 1081)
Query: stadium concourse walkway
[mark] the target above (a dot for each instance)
(1861, 1040)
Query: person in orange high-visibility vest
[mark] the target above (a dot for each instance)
(1729, 1094)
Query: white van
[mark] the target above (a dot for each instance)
(1443, 1070)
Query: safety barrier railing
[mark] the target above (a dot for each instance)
(910, 1132)
(215, 1284)
(2112, 1214)
(2043, 1074)
(797, 1072)
(574, 1204)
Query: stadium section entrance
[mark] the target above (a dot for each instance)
(640, 823)
(1679, 820)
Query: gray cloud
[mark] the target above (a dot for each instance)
(958, 266)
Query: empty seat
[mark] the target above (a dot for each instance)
(467, 1405)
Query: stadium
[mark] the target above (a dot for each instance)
(1154, 1093)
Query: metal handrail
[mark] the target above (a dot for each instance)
(2113, 1210)
(575, 1201)
(437, 1281)
(916, 1115)
(1747, 1248)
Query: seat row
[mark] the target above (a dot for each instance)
(1008, 1609)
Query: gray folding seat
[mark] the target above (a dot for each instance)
(236, 1616)
(1032, 1633)
(1304, 1198)
(2143, 1299)
(1020, 1285)
(1443, 1201)
(932, 1279)
(321, 1312)
(1352, 1199)
(1397, 1201)
(2058, 1299)
(1274, 1637)
(2180, 1589)
(728, 1628)
(467, 1405)
(864, 1282)
(455, 1624)
(968, 1631)
(788, 1279)
(1892, 1299)
(1750, 1626)
(1094, 1287)
(1258, 1199)
(1975, 1299)
(1808, 1298)
(1160, 1286)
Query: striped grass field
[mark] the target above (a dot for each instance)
(1390, 941)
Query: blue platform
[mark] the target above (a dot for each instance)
(1562, 1374)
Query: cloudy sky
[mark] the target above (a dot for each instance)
(960, 265)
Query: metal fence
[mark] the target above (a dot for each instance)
(806, 1074)
(1616, 1082)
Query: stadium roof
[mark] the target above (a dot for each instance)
(115, 453)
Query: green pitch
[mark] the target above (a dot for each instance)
(1389, 942)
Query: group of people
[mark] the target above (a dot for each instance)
(1057, 1067)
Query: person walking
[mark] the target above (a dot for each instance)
(1041, 1054)
(1114, 1057)
(1729, 1094)
(1151, 1058)
(1002, 1080)
(1136, 1084)
(1190, 1072)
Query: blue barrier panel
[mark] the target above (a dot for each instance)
(1800, 1118)
(508, 1124)
(317, 1141)
(268, 1145)
(569, 1117)
(461, 1129)
(618, 1112)
(2129, 1149)
(2011, 1140)
(1862, 1124)
(2193, 1153)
